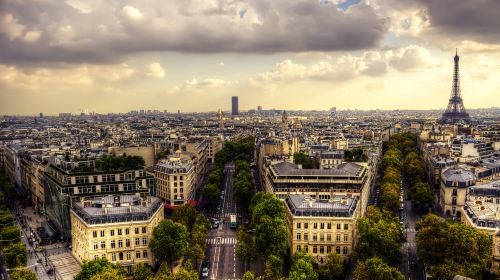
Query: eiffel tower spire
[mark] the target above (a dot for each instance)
(455, 112)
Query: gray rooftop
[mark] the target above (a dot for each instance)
(304, 205)
(345, 169)
(463, 176)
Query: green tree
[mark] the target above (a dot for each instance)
(422, 196)
(15, 255)
(303, 159)
(333, 269)
(246, 246)
(94, 267)
(378, 235)
(376, 269)
(142, 272)
(272, 236)
(186, 215)
(169, 242)
(5, 218)
(302, 267)
(109, 273)
(449, 248)
(248, 276)
(211, 194)
(389, 197)
(23, 274)
(274, 268)
(12, 233)
(269, 206)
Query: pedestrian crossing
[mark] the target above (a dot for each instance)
(410, 244)
(410, 230)
(222, 241)
(222, 215)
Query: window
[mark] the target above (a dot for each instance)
(346, 237)
(322, 226)
(298, 225)
(328, 237)
(137, 241)
(321, 249)
(345, 250)
(127, 243)
(96, 246)
(102, 233)
(315, 225)
(120, 256)
(337, 250)
(329, 226)
(315, 237)
(95, 257)
(315, 249)
(346, 226)
(306, 225)
(298, 236)
(454, 192)
(136, 230)
(103, 245)
(145, 254)
(137, 254)
(321, 237)
(113, 257)
(453, 201)
(338, 237)
(128, 255)
(127, 231)
(328, 249)
(298, 247)
(338, 226)
(119, 231)
(94, 234)
(306, 248)
(144, 241)
(143, 229)
(112, 244)
(306, 236)
(112, 232)
(120, 243)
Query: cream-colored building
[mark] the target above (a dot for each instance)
(175, 179)
(319, 227)
(454, 183)
(118, 228)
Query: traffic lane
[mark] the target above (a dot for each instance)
(229, 271)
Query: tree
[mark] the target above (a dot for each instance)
(422, 196)
(376, 268)
(302, 159)
(274, 268)
(269, 206)
(186, 215)
(5, 218)
(169, 241)
(185, 273)
(23, 274)
(211, 194)
(94, 267)
(12, 233)
(378, 236)
(109, 273)
(450, 248)
(333, 269)
(15, 255)
(246, 246)
(272, 236)
(142, 272)
(302, 268)
(248, 276)
(389, 196)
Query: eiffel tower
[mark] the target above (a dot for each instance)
(455, 113)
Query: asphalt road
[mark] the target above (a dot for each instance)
(221, 243)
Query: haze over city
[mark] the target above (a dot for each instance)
(117, 56)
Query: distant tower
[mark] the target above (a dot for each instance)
(220, 116)
(284, 120)
(455, 113)
(333, 112)
(234, 105)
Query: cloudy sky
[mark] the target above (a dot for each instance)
(193, 55)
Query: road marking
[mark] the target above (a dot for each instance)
(222, 241)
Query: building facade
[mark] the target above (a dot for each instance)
(234, 106)
(319, 227)
(175, 180)
(118, 228)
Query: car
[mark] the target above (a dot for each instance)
(204, 272)
(215, 224)
(251, 231)
(413, 263)
(222, 192)
(206, 263)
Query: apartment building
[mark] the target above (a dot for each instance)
(331, 159)
(175, 179)
(68, 181)
(116, 227)
(319, 227)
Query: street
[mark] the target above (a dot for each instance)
(221, 242)
(410, 265)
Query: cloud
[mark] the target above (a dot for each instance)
(155, 70)
(106, 31)
(219, 64)
(207, 83)
(345, 67)
(132, 13)
(32, 36)
(411, 58)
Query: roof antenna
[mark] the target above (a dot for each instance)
(456, 51)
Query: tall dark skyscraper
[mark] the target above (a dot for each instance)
(234, 105)
(455, 113)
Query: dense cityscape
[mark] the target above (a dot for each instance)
(250, 181)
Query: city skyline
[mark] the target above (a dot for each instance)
(193, 56)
